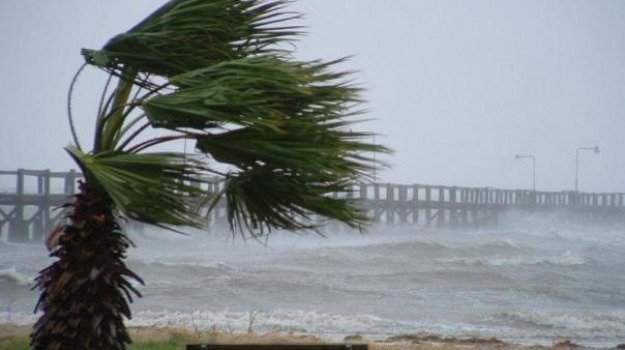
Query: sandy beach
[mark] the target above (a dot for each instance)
(10, 333)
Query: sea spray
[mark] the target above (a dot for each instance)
(531, 282)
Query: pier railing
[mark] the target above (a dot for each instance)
(28, 199)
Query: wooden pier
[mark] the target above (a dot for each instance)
(29, 209)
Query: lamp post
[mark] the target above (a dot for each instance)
(520, 156)
(375, 163)
(595, 149)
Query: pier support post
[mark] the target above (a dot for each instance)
(453, 207)
(441, 206)
(390, 204)
(415, 205)
(403, 206)
(18, 231)
(428, 205)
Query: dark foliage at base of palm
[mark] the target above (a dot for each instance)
(86, 291)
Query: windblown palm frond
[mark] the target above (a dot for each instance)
(156, 188)
(262, 198)
(251, 91)
(283, 125)
(184, 35)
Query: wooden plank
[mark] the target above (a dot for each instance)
(277, 347)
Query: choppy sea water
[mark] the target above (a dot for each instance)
(527, 281)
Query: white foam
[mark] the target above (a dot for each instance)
(279, 320)
(593, 329)
(565, 259)
(11, 276)
(391, 281)
(535, 327)
(13, 286)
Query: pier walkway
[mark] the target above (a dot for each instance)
(29, 208)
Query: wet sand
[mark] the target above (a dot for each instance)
(10, 332)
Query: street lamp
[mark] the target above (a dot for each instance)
(595, 149)
(520, 156)
(375, 163)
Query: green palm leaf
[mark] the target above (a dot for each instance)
(262, 199)
(255, 90)
(283, 125)
(155, 188)
(184, 35)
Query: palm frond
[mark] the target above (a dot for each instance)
(155, 188)
(263, 90)
(262, 199)
(291, 115)
(285, 126)
(184, 35)
(299, 147)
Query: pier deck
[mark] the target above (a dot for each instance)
(30, 208)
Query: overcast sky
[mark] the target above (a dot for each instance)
(458, 88)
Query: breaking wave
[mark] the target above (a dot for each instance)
(526, 283)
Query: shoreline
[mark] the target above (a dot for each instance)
(10, 332)
(189, 323)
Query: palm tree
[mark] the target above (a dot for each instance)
(218, 73)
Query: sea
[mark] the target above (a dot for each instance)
(529, 280)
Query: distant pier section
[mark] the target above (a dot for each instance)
(29, 208)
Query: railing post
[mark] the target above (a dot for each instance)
(349, 193)
(70, 183)
(363, 192)
(428, 205)
(44, 222)
(17, 229)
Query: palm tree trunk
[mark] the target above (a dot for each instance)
(85, 293)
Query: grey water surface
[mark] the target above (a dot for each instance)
(528, 281)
